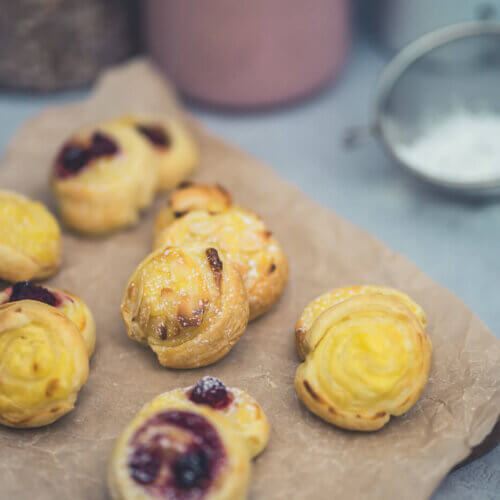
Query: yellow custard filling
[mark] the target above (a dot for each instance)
(28, 227)
(367, 363)
(35, 368)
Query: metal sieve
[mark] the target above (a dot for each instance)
(447, 71)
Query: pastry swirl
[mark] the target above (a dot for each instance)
(43, 364)
(174, 149)
(241, 235)
(69, 305)
(30, 239)
(242, 411)
(188, 304)
(179, 450)
(367, 358)
(102, 177)
(329, 299)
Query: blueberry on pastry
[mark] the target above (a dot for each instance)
(366, 358)
(238, 232)
(179, 451)
(234, 404)
(30, 239)
(188, 304)
(43, 364)
(70, 305)
(174, 149)
(102, 177)
(329, 299)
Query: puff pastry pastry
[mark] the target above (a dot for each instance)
(189, 197)
(70, 305)
(234, 404)
(176, 152)
(30, 239)
(103, 176)
(43, 364)
(240, 234)
(179, 450)
(329, 299)
(188, 304)
(367, 358)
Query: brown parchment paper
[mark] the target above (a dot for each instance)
(306, 458)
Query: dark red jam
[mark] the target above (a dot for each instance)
(25, 290)
(182, 470)
(155, 134)
(74, 157)
(212, 392)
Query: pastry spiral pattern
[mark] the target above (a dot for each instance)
(69, 305)
(30, 239)
(179, 450)
(329, 299)
(43, 364)
(187, 303)
(240, 234)
(367, 358)
(103, 176)
(234, 404)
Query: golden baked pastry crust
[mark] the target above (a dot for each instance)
(176, 152)
(188, 304)
(43, 364)
(367, 358)
(228, 478)
(30, 239)
(110, 190)
(243, 411)
(72, 307)
(329, 299)
(189, 197)
(246, 241)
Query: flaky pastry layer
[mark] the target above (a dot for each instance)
(367, 358)
(43, 364)
(30, 239)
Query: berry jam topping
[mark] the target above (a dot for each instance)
(212, 392)
(25, 290)
(177, 469)
(144, 465)
(102, 146)
(191, 469)
(74, 157)
(155, 134)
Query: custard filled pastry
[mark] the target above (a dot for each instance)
(30, 239)
(102, 177)
(179, 450)
(175, 151)
(70, 305)
(234, 404)
(367, 358)
(43, 364)
(242, 236)
(329, 299)
(188, 304)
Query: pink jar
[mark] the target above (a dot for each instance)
(250, 52)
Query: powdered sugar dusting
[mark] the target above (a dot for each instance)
(463, 147)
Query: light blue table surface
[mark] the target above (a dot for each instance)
(455, 241)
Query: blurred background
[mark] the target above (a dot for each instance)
(402, 141)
